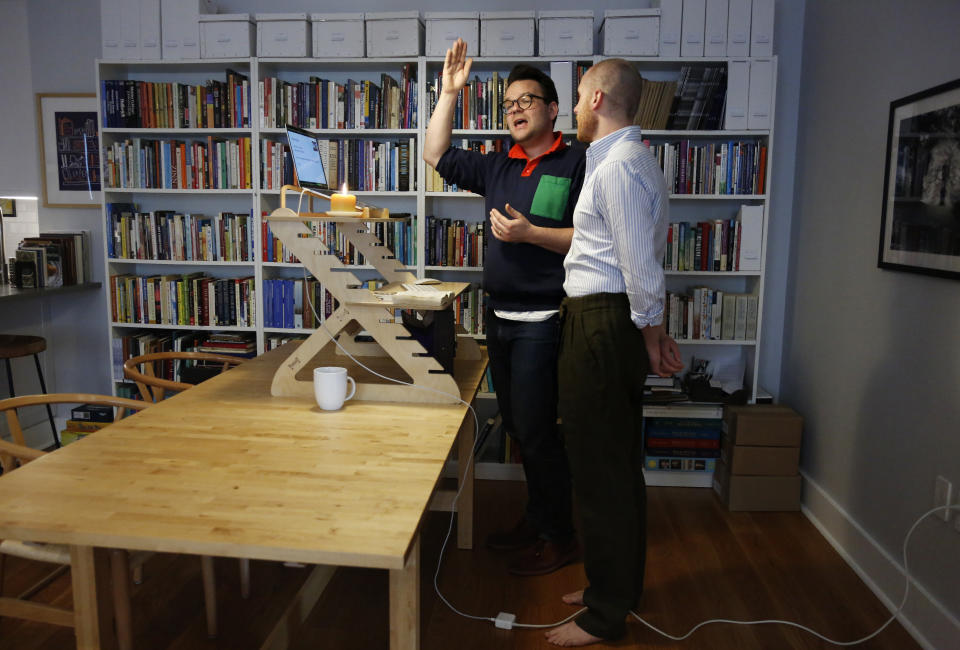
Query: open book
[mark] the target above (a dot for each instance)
(421, 292)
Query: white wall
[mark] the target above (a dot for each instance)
(871, 357)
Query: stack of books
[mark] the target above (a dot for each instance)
(682, 444)
(52, 259)
(85, 420)
(236, 345)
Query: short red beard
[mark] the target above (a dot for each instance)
(586, 126)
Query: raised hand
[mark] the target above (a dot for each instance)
(456, 67)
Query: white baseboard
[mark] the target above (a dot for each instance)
(923, 616)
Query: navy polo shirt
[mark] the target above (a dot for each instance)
(521, 276)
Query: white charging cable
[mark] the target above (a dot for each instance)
(507, 621)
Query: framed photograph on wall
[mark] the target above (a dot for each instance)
(69, 149)
(920, 229)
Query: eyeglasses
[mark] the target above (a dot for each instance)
(523, 102)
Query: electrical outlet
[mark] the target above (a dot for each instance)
(941, 497)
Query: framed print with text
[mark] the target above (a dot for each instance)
(69, 149)
(920, 228)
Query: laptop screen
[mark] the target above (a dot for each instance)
(306, 158)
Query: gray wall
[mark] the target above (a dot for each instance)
(871, 357)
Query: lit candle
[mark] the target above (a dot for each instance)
(343, 202)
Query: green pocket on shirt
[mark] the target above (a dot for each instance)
(550, 200)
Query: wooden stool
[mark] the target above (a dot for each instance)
(15, 345)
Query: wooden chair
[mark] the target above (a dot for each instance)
(15, 454)
(149, 377)
(153, 388)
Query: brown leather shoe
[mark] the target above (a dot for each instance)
(520, 536)
(545, 557)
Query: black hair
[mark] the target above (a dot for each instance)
(524, 72)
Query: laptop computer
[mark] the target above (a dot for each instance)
(305, 151)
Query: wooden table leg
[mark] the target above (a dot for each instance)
(465, 442)
(405, 602)
(92, 601)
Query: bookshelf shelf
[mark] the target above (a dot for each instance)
(715, 274)
(736, 342)
(152, 190)
(462, 269)
(175, 131)
(339, 133)
(145, 262)
(200, 328)
(453, 195)
(718, 197)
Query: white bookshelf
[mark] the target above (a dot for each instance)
(418, 201)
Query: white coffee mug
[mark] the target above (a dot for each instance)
(330, 387)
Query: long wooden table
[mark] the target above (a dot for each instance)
(226, 469)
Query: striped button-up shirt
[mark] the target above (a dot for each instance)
(620, 226)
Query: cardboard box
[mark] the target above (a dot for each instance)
(565, 33)
(765, 425)
(630, 32)
(760, 461)
(338, 35)
(180, 27)
(756, 493)
(283, 35)
(394, 33)
(224, 36)
(445, 27)
(507, 33)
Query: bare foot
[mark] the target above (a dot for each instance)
(570, 635)
(576, 598)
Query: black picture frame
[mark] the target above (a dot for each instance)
(920, 224)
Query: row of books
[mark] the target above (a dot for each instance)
(398, 235)
(127, 103)
(656, 100)
(296, 303)
(681, 444)
(138, 343)
(713, 168)
(454, 242)
(324, 104)
(52, 259)
(436, 183)
(478, 103)
(177, 164)
(364, 165)
(469, 309)
(84, 420)
(169, 235)
(700, 98)
(704, 246)
(707, 313)
(195, 299)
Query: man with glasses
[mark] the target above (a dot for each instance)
(530, 193)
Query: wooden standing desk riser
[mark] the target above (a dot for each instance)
(226, 469)
(360, 308)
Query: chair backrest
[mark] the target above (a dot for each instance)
(159, 385)
(18, 451)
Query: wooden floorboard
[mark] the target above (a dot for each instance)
(702, 562)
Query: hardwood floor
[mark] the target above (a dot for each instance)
(702, 562)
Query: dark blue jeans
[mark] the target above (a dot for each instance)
(523, 362)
